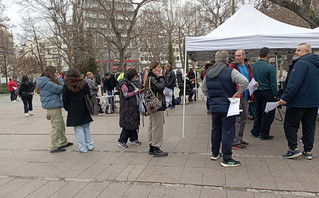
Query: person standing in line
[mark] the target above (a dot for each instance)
(12, 85)
(108, 89)
(26, 93)
(93, 90)
(245, 69)
(301, 96)
(219, 85)
(129, 111)
(51, 88)
(265, 76)
(170, 83)
(78, 116)
(155, 81)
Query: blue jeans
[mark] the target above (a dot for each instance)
(111, 99)
(84, 138)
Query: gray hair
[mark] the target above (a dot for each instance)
(307, 47)
(222, 56)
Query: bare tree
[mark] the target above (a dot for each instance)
(32, 33)
(306, 9)
(7, 51)
(121, 17)
(27, 66)
(57, 15)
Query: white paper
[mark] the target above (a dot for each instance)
(251, 86)
(168, 95)
(318, 110)
(15, 88)
(271, 106)
(233, 107)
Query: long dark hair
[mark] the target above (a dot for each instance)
(74, 80)
(49, 72)
(25, 80)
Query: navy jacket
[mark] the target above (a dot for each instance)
(302, 89)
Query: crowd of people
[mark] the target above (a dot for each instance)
(222, 80)
(300, 95)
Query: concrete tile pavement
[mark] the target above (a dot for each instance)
(27, 169)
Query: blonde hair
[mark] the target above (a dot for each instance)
(89, 74)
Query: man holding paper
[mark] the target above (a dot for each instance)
(265, 75)
(219, 85)
(245, 69)
(301, 96)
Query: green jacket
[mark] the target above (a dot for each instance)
(265, 75)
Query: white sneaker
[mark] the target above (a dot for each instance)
(31, 113)
(14, 101)
(26, 115)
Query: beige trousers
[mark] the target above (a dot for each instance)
(57, 129)
(155, 129)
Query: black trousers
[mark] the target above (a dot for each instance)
(126, 134)
(223, 132)
(27, 102)
(307, 116)
(13, 95)
(263, 120)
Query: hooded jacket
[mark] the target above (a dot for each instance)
(217, 96)
(302, 89)
(50, 93)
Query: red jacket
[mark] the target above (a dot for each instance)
(250, 73)
(12, 84)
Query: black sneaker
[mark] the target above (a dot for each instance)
(215, 156)
(159, 153)
(151, 150)
(67, 145)
(58, 150)
(269, 137)
(230, 163)
(123, 145)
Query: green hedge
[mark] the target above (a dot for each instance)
(4, 89)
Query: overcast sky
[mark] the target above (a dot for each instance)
(13, 13)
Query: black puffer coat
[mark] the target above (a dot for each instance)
(158, 87)
(74, 104)
(129, 113)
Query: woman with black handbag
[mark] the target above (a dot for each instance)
(78, 117)
(25, 91)
(155, 81)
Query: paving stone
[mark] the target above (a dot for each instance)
(27, 188)
(138, 191)
(92, 190)
(48, 189)
(209, 193)
(192, 175)
(114, 190)
(69, 190)
(11, 186)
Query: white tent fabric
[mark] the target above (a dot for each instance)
(250, 29)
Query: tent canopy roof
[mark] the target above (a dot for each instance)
(251, 30)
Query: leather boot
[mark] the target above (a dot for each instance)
(159, 153)
(151, 150)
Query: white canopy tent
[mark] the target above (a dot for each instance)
(251, 30)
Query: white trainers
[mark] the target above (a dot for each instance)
(14, 101)
(26, 115)
(31, 113)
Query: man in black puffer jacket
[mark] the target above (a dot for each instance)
(170, 83)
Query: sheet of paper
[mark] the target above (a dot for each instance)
(15, 88)
(233, 107)
(251, 86)
(168, 95)
(318, 110)
(271, 106)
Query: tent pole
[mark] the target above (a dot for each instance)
(184, 94)
(276, 59)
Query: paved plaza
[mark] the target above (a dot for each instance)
(27, 169)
